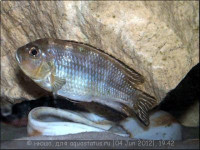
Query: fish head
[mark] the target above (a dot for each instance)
(35, 59)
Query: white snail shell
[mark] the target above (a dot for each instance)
(53, 121)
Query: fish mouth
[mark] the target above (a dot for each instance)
(18, 58)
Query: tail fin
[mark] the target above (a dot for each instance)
(144, 103)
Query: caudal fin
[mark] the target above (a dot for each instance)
(144, 103)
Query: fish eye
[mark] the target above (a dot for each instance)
(34, 52)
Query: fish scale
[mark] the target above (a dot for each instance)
(96, 80)
(95, 76)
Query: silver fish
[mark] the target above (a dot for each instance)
(84, 73)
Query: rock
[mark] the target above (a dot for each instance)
(157, 39)
(191, 116)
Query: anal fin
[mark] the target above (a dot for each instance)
(144, 103)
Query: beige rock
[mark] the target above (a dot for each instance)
(157, 39)
(191, 116)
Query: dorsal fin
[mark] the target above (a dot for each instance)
(133, 76)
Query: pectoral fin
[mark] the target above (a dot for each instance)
(57, 83)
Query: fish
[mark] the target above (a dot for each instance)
(83, 73)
